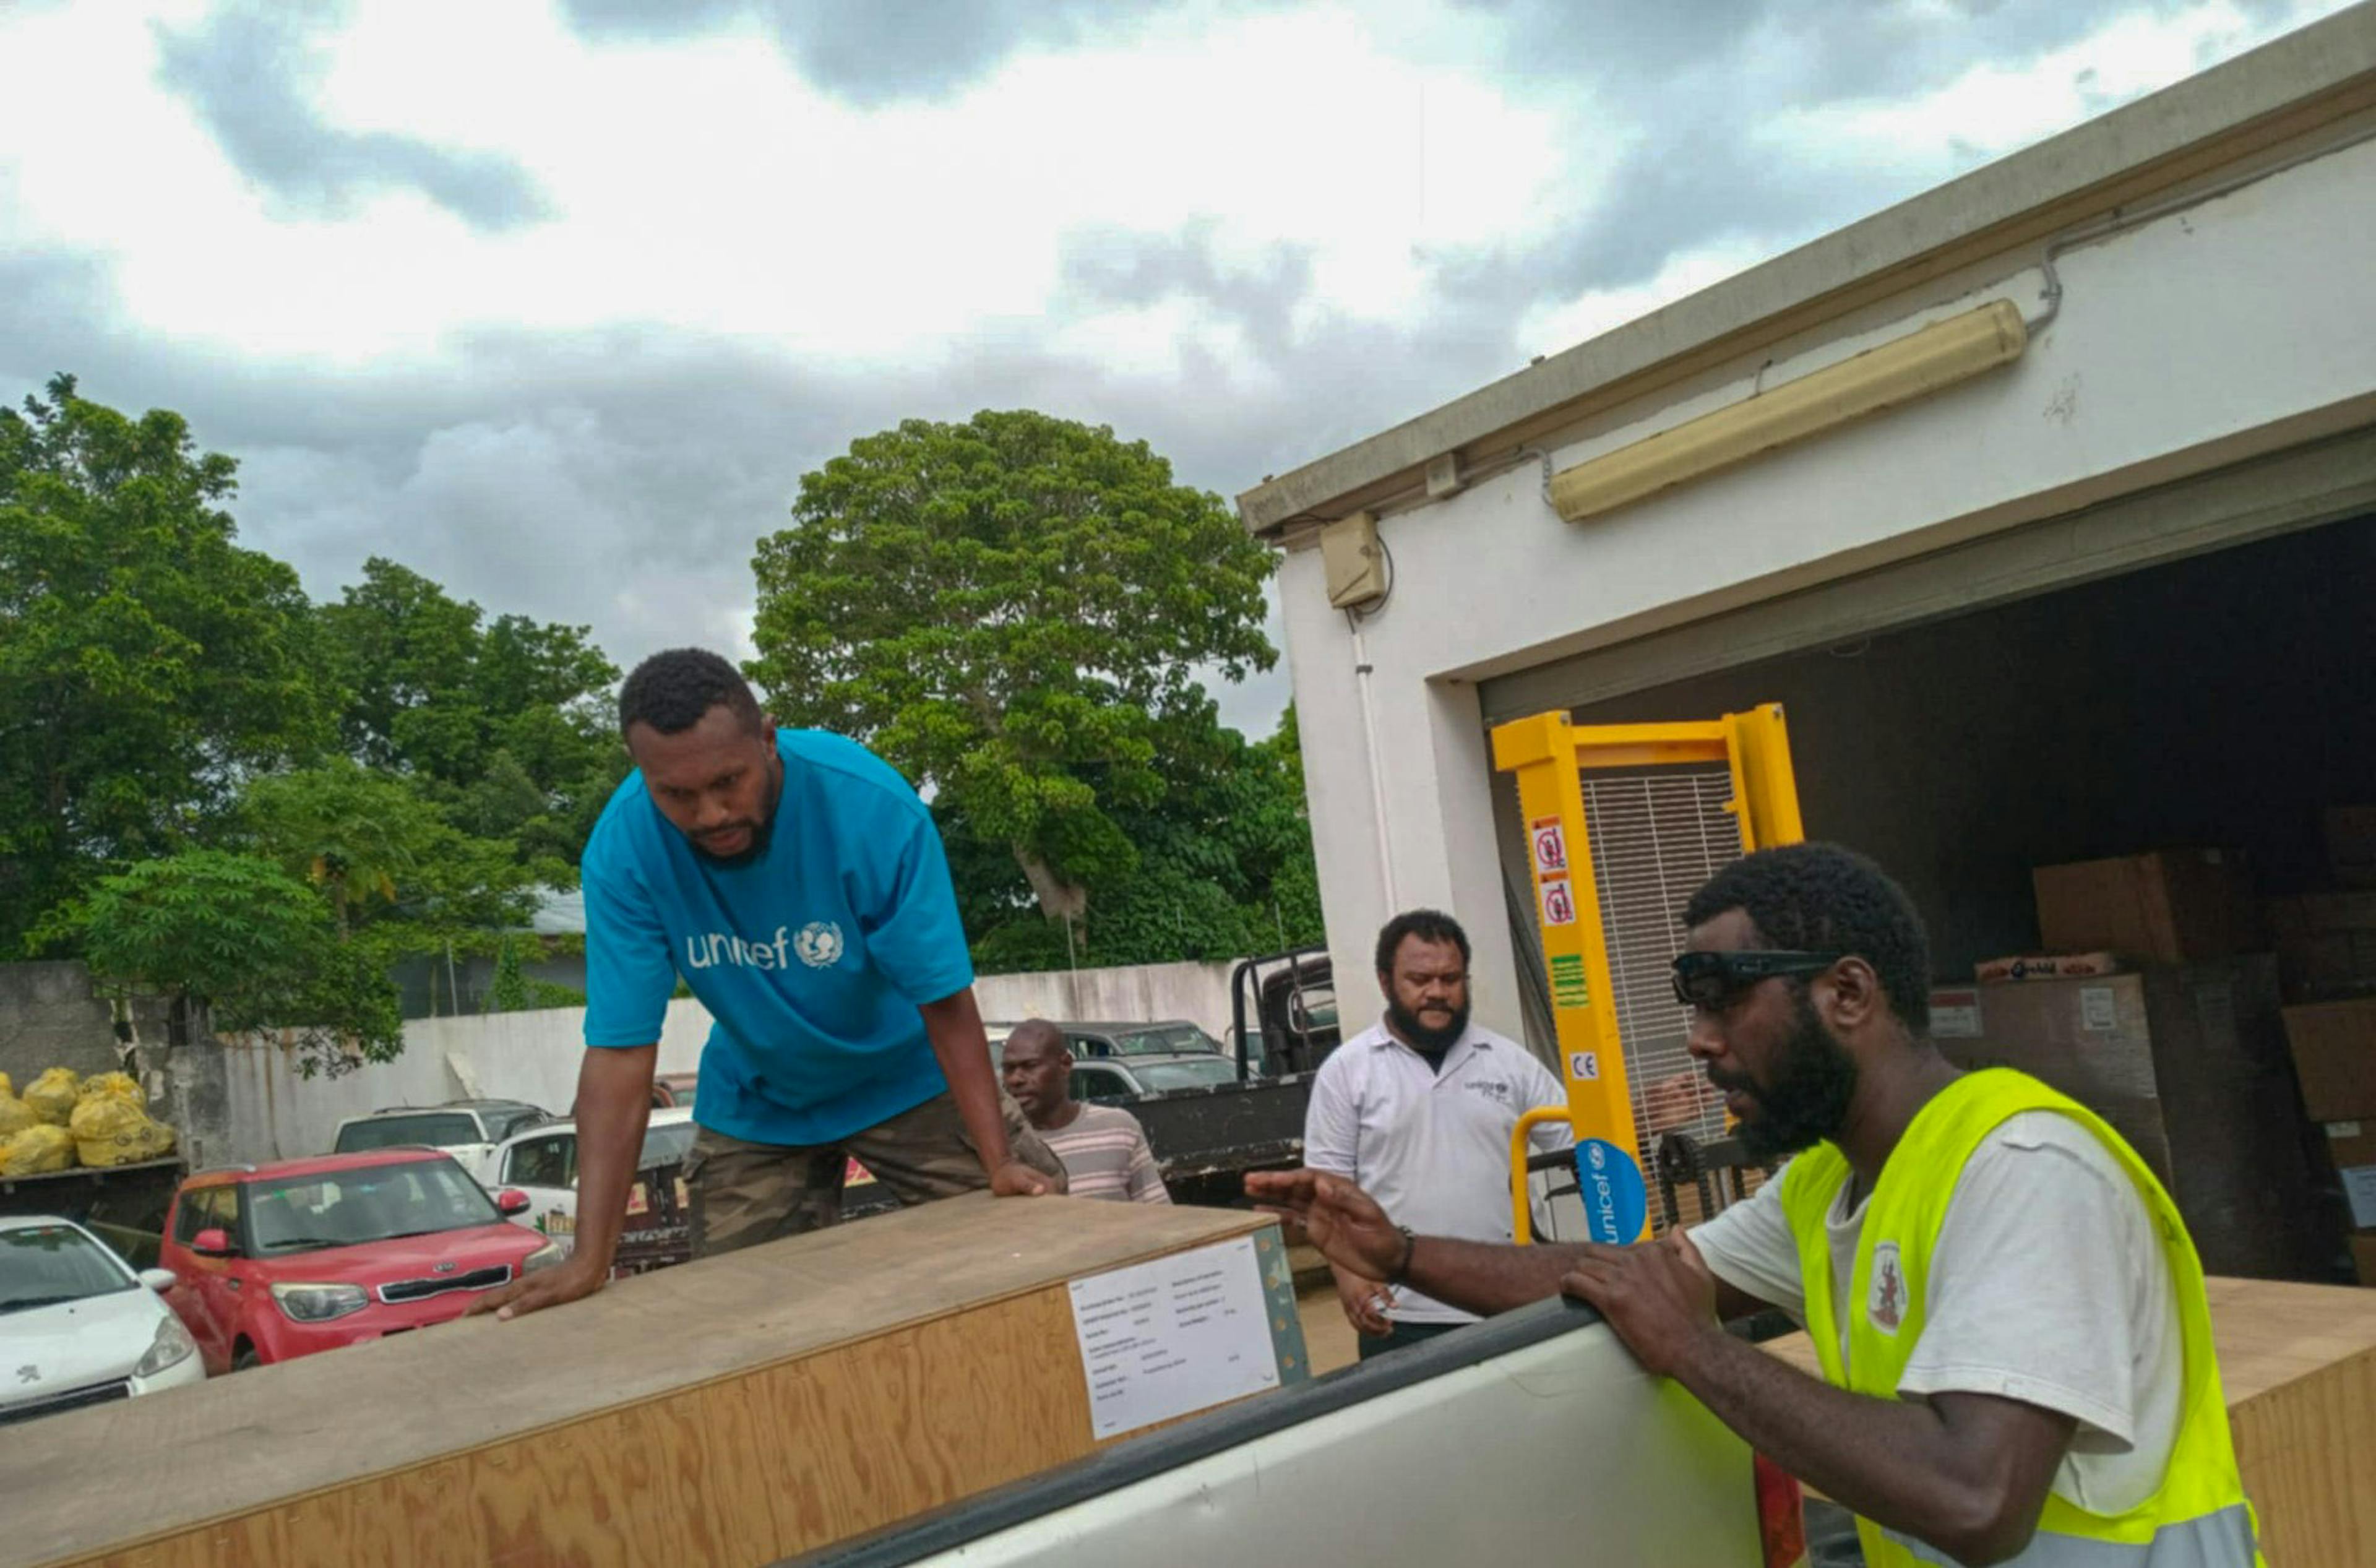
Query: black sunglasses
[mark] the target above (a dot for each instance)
(1712, 981)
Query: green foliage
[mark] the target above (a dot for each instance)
(1222, 868)
(513, 989)
(505, 722)
(236, 936)
(1012, 612)
(507, 992)
(146, 661)
(396, 875)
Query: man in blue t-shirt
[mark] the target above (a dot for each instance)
(796, 884)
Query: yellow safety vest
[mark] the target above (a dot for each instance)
(2198, 1517)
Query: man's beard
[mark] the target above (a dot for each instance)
(1421, 1036)
(1814, 1079)
(762, 831)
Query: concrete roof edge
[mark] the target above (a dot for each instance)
(2315, 61)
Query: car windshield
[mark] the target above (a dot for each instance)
(1160, 1075)
(42, 1265)
(666, 1146)
(1163, 1040)
(442, 1129)
(375, 1203)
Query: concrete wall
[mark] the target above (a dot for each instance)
(50, 1018)
(2243, 325)
(275, 1112)
(1199, 992)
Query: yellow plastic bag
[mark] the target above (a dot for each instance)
(101, 1116)
(37, 1150)
(54, 1094)
(115, 1086)
(15, 1117)
(141, 1138)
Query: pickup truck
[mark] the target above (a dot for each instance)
(1534, 1437)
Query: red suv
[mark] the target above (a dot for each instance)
(275, 1261)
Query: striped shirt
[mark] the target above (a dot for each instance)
(1105, 1154)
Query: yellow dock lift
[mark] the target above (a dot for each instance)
(1622, 821)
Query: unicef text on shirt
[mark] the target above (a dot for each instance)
(818, 944)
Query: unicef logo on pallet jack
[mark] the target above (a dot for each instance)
(1616, 1199)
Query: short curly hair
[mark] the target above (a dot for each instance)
(1428, 925)
(1822, 899)
(670, 691)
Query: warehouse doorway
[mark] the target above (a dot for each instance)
(2219, 697)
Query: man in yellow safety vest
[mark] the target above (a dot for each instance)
(2009, 1313)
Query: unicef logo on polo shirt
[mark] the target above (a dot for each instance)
(819, 945)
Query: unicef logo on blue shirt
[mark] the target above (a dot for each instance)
(819, 944)
(1616, 1199)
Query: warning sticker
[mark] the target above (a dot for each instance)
(1551, 845)
(1569, 988)
(1558, 901)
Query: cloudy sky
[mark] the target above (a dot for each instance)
(556, 300)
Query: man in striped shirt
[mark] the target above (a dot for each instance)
(1103, 1147)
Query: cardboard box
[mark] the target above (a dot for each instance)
(2351, 1143)
(2171, 906)
(2326, 943)
(2351, 845)
(2335, 1056)
(2065, 966)
(2189, 1065)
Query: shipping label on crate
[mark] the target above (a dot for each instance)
(1174, 1335)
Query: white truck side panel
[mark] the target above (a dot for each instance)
(1562, 1452)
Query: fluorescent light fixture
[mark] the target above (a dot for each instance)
(1913, 366)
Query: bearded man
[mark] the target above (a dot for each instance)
(1417, 1111)
(2016, 1341)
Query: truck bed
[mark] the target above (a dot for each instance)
(1532, 1438)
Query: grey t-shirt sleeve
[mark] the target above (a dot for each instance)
(1750, 1247)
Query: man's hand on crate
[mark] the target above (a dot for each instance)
(1658, 1296)
(552, 1288)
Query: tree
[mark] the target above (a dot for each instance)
(506, 722)
(148, 663)
(239, 944)
(1012, 612)
(397, 877)
(1224, 867)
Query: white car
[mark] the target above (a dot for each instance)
(469, 1130)
(78, 1326)
(542, 1162)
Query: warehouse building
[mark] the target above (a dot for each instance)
(2044, 504)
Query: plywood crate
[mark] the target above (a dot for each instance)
(730, 1412)
(2298, 1365)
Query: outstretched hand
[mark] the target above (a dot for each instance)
(1343, 1221)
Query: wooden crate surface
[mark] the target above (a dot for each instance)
(322, 1456)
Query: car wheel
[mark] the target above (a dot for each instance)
(244, 1358)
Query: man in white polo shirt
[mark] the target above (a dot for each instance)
(1420, 1106)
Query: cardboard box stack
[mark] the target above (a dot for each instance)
(2153, 1000)
(2335, 1057)
(2326, 941)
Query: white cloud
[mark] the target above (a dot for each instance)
(1992, 110)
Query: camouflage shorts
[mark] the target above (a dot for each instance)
(744, 1192)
